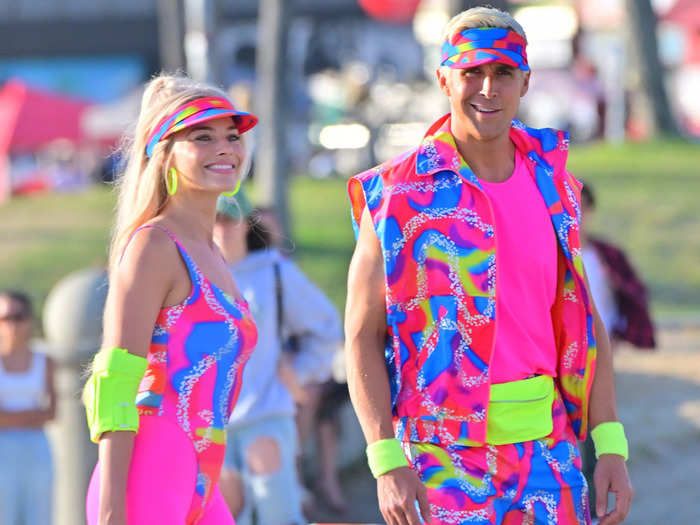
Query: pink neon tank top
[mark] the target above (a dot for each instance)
(195, 365)
(526, 273)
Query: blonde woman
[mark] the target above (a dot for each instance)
(177, 332)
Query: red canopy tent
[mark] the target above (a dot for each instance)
(32, 118)
(393, 11)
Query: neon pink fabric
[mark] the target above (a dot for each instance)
(195, 366)
(196, 112)
(529, 483)
(158, 486)
(526, 278)
(482, 45)
(437, 233)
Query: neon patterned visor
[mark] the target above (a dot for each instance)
(195, 112)
(482, 45)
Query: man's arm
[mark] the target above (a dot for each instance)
(365, 337)
(610, 472)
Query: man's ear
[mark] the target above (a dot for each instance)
(442, 77)
(526, 83)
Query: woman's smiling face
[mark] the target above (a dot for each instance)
(209, 156)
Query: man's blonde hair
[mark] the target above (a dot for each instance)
(481, 16)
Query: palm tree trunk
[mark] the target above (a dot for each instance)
(270, 105)
(653, 105)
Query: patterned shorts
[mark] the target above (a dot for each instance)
(531, 483)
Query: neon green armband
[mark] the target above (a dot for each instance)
(609, 438)
(385, 455)
(110, 393)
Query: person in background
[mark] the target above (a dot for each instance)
(260, 478)
(621, 299)
(318, 406)
(618, 291)
(27, 403)
(324, 419)
(177, 333)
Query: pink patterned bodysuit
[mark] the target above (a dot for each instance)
(195, 365)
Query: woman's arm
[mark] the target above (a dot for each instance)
(25, 418)
(139, 286)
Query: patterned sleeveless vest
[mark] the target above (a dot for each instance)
(436, 230)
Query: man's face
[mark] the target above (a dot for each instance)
(483, 99)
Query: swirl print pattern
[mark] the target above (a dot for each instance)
(481, 45)
(532, 483)
(196, 359)
(436, 230)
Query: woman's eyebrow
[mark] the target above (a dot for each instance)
(209, 128)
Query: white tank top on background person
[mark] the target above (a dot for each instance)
(24, 390)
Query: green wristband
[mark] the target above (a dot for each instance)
(385, 455)
(609, 438)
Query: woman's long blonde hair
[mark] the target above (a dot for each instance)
(141, 186)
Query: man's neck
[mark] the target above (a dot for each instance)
(492, 160)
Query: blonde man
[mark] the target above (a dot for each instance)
(475, 354)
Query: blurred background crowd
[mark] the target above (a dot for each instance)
(341, 85)
(349, 74)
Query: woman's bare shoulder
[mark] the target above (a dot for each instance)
(150, 253)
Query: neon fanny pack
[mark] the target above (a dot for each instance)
(110, 392)
(520, 410)
(609, 438)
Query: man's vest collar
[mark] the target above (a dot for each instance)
(438, 150)
(546, 150)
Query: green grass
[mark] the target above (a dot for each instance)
(45, 237)
(647, 203)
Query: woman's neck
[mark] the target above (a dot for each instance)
(14, 352)
(193, 219)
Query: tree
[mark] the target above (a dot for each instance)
(653, 101)
(270, 104)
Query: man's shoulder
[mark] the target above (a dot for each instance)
(542, 140)
(548, 147)
(399, 168)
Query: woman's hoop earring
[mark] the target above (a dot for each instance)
(235, 190)
(171, 181)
